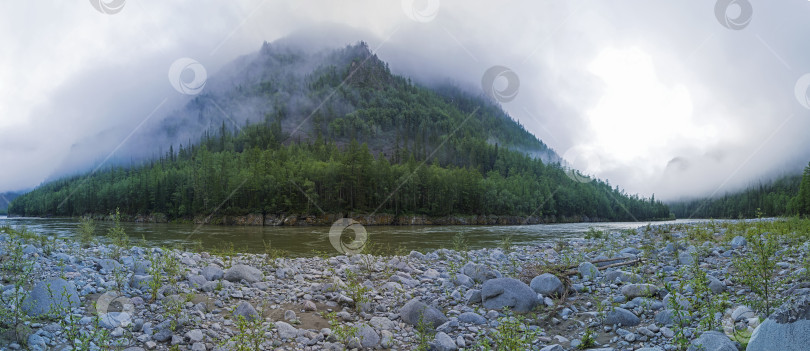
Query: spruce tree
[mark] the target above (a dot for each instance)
(802, 200)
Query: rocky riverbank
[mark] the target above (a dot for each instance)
(655, 288)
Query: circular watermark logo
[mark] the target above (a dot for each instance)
(108, 7)
(187, 76)
(801, 90)
(114, 310)
(354, 245)
(500, 83)
(583, 162)
(421, 10)
(733, 14)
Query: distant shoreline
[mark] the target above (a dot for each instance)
(382, 219)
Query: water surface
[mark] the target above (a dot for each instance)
(303, 241)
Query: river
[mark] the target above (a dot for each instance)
(304, 241)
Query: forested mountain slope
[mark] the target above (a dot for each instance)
(781, 197)
(286, 132)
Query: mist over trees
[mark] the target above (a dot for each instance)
(786, 196)
(378, 144)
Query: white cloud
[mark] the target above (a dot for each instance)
(691, 106)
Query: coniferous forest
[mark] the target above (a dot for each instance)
(382, 144)
(785, 196)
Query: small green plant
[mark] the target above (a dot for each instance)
(506, 243)
(117, 236)
(588, 340)
(342, 332)
(511, 334)
(424, 334)
(704, 302)
(461, 245)
(16, 270)
(355, 288)
(155, 271)
(249, 334)
(171, 266)
(120, 276)
(594, 233)
(272, 254)
(758, 271)
(174, 308)
(87, 231)
(678, 316)
(72, 329)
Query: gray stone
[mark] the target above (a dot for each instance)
(553, 347)
(463, 279)
(621, 316)
(622, 276)
(52, 295)
(667, 333)
(547, 284)
(632, 291)
(787, 329)
(685, 259)
(716, 286)
(479, 272)
(508, 292)
(195, 335)
(443, 342)
(107, 265)
(140, 267)
(36, 342)
(246, 310)
(140, 282)
(29, 249)
(473, 296)
(588, 271)
(738, 242)
(286, 331)
(239, 272)
(368, 336)
(162, 334)
(715, 341)
(197, 281)
(415, 310)
(209, 286)
(667, 317)
(416, 255)
(212, 272)
(387, 339)
(382, 323)
(742, 312)
(112, 320)
(472, 318)
(289, 315)
(677, 300)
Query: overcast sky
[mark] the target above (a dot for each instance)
(675, 98)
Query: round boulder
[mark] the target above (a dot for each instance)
(547, 284)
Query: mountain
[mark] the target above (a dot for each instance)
(5, 200)
(769, 199)
(286, 130)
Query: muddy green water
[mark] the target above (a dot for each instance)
(303, 241)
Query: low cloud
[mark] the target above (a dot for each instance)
(718, 109)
